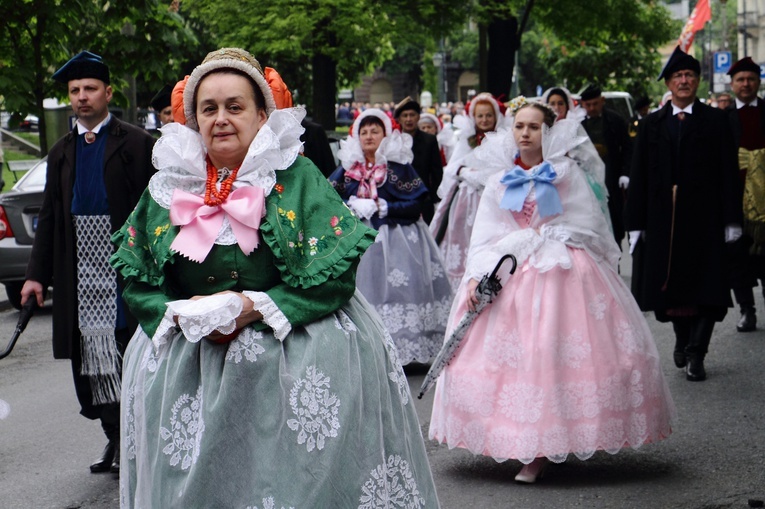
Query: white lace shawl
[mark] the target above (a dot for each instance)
(179, 156)
(581, 225)
(395, 147)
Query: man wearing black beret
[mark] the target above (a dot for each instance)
(427, 157)
(747, 122)
(95, 175)
(684, 205)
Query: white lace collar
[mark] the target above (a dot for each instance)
(179, 156)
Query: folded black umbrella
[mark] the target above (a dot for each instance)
(24, 315)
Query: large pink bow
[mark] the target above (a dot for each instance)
(201, 223)
(369, 178)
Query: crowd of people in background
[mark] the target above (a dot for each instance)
(232, 249)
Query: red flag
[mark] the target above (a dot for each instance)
(698, 18)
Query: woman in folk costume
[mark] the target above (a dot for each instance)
(463, 183)
(431, 124)
(562, 361)
(253, 345)
(562, 102)
(401, 275)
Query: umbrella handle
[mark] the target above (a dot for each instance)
(501, 261)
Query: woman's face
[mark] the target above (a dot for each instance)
(485, 118)
(559, 104)
(228, 117)
(370, 137)
(428, 127)
(527, 131)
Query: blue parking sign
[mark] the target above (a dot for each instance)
(722, 61)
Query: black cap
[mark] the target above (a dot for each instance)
(679, 61)
(162, 100)
(83, 65)
(642, 102)
(407, 104)
(591, 92)
(745, 64)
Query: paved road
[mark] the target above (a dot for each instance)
(715, 458)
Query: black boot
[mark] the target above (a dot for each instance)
(682, 328)
(115, 468)
(748, 321)
(701, 334)
(111, 427)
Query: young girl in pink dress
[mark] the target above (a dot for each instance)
(562, 361)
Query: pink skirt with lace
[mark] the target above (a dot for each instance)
(562, 362)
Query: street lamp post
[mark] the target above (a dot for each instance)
(438, 63)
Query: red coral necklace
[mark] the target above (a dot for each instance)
(213, 197)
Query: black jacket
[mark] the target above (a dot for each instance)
(427, 164)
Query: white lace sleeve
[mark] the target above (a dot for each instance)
(272, 315)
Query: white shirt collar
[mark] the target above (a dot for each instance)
(688, 109)
(741, 104)
(81, 129)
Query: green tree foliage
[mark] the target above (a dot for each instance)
(146, 39)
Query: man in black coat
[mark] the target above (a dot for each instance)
(684, 205)
(608, 132)
(747, 121)
(96, 174)
(427, 157)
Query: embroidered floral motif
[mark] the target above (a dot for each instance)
(287, 217)
(597, 307)
(471, 394)
(572, 349)
(401, 184)
(397, 278)
(245, 345)
(316, 410)
(452, 257)
(521, 402)
(279, 188)
(575, 400)
(397, 376)
(160, 230)
(628, 338)
(268, 502)
(131, 235)
(391, 485)
(438, 271)
(128, 423)
(413, 237)
(185, 431)
(503, 348)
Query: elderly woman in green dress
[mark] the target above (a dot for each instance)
(259, 377)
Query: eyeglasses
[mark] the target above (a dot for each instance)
(689, 75)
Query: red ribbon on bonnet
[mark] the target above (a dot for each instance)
(201, 223)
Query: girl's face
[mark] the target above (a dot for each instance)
(527, 131)
(429, 127)
(485, 118)
(559, 104)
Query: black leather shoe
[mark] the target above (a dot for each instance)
(104, 462)
(679, 358)
(748, 321)
(694, 370)
(115, 468)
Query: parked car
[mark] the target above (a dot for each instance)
(19, 208)
(620, 102)
(30, 124)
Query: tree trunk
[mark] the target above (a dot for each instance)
(500, 60)
(324, 90)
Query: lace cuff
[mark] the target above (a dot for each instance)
(199, 318)
(165, 330)
(272, 315)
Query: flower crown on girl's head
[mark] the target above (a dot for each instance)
(515, 104)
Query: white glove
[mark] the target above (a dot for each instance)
(624, 182)
(634, 237)
(362, 207)
(732, 233)
(382, 208)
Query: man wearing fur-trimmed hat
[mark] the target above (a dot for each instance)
(683, 207)
(427, 158)
(747, 122)
(96, 174)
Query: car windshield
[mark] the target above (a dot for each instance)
(33, 178)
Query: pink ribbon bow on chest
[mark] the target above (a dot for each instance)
(369, 178)
(201, 223)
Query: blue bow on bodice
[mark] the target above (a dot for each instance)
(518, 182)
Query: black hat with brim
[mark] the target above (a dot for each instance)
(83, 65)
(407, 104)
(745, 64)
(591, 92)
(679, 61)
(162, 100)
